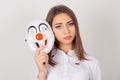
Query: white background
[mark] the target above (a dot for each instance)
(99, 22)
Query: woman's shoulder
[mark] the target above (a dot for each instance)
(91, 60)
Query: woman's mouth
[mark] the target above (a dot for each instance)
(67, 37)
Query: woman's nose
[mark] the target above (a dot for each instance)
(66, 30)
(39, 36)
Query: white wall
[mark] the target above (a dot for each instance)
(99, 22)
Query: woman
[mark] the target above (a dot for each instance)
(67, 60)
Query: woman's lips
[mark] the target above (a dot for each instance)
(67, 37)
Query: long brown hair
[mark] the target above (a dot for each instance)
(77, 43)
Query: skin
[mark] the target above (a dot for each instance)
(41, 60)
(64, 30)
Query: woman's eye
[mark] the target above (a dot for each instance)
(71, 24)
(57, 26)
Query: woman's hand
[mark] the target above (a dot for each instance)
(41, 59)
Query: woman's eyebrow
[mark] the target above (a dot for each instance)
(61, 23)
(58, 23)
(70, 21)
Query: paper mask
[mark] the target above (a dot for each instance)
(39, 33)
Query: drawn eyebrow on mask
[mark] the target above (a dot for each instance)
(41, 25)
(30, 28)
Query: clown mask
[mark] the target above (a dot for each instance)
(39, 33)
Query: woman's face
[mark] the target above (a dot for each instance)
(63, 28)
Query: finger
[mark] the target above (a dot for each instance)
(42, 57)
(42, 47)
(43, 54)
(39, 49)
(44, 62)
(41, 60)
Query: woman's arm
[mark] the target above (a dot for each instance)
(41, 60)
(42, 76)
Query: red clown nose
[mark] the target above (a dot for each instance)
(39, 36)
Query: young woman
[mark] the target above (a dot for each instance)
(67, 60)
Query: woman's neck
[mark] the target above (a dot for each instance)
(65, 47)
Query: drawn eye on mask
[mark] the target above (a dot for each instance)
(39, 33)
